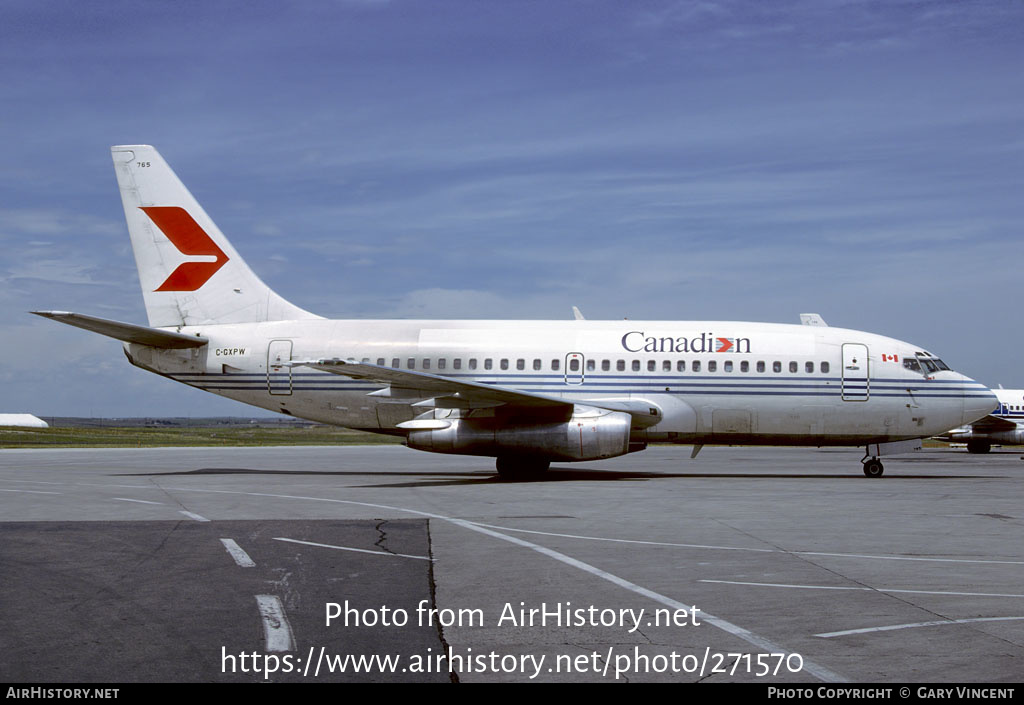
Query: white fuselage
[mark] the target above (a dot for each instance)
(713, 381)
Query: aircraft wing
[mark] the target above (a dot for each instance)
(445, 392)
(991, 424)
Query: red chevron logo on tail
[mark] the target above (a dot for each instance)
(190, 239)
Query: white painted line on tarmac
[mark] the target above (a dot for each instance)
(276, 629)
(904, 558)
(713, 547)
(863, 589)
(140, 501)
(636, 541)
(358, 550)
(936, 623)
(810, 667)
(236, 552)
(31, 491)
(192, 515)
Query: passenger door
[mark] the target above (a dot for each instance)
(855, 372)
(279, 374)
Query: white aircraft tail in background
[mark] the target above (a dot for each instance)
(524, 392)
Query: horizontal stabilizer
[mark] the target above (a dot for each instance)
(126, 332)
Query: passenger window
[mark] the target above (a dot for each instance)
(713, 366)
(636, 365)
(824, 368)
(556, 364)
(536, 364)
(681, 366)
(744, 366)
(606, 365)
(591, 365)
(792, 367)
(695, 366)
(395, 362)
(574, 365)
(504, 363)
(442, 363)
(666, 366)
(808, 367)
(380, 361)
(412, 363)
(520, 364)
(652, 366)
(365, 359)
(457, 363)
(620, 365)
(472, 363)
(488, 363)
(760, 365)
(728, 365)
(776, 366)
(426, 363)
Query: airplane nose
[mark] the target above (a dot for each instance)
(979, 400)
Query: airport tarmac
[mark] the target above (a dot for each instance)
(217, 564)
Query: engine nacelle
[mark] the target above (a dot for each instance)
(590, 434)
(1006, 438)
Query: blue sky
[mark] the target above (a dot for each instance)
(658, 160)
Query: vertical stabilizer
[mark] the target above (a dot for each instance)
(190, 273)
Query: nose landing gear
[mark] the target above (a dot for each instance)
(873, 467)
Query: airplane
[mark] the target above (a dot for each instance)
(1004, 425)
(523, 392)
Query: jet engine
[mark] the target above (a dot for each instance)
(590, 434)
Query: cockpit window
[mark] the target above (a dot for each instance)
(924, 363)
(928, 362)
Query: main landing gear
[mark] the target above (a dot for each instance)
(974, 446)
(513, 468)
(873, 467)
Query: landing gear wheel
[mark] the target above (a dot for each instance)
(873, 467)
(511, 468)
(978, 446)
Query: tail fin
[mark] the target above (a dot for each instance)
(190, 273)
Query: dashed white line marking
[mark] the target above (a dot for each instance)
(276, 629)
(357, 550)
(236, 552)
(31, 491)
(191, 515)
(936, 623)
(140, 501)
(867, 589)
